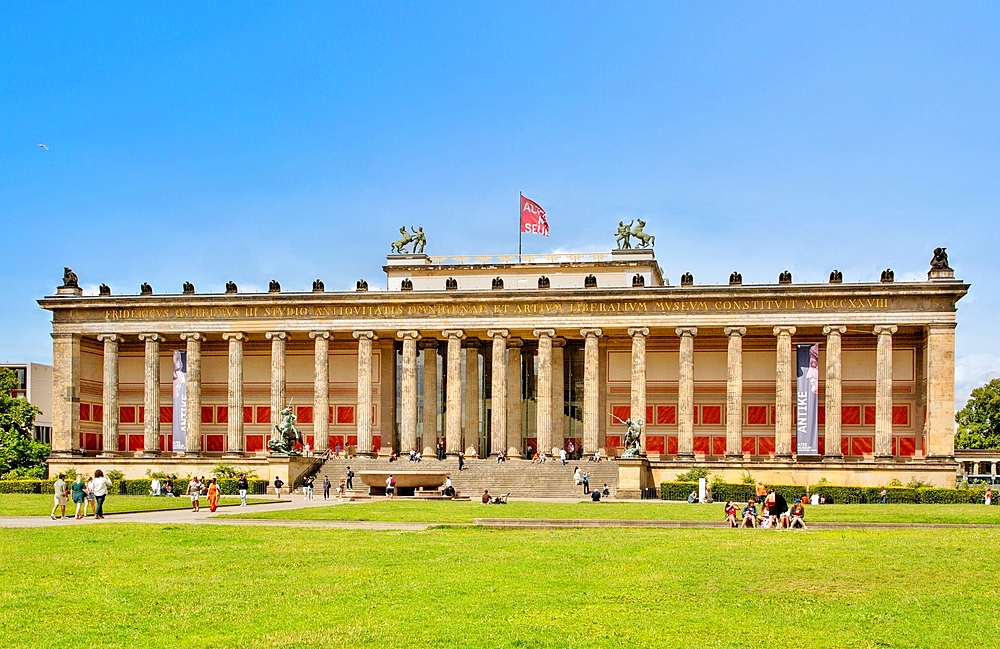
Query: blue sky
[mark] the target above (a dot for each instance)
(209, 142)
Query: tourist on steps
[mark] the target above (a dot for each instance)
(461, 461)
(326, 487)
(350, 479)
(577, 478)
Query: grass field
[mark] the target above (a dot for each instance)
(41, 504)
(464, 512)
(137, 586)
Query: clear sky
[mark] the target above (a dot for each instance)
(251, 141)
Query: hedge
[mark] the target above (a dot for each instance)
(833, 494)
(138, 487)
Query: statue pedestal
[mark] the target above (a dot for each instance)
(633, 477)
(407, 260)
(632, 254)
(943, 274)
(69, 290)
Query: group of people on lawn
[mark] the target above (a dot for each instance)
(85, 494)
(774, 512)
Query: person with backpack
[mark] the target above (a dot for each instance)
(278, 482)
(390, 486)
(350, 479)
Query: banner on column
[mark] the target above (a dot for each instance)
(179, 426)
(807, 400)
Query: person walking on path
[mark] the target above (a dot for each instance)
(277, 486)
(883, 496)
(88, 493)
(350, 479)
(586, 482)
(194, 491)
(100, 490)
(390, 486)
(59, 496)
(79, 492)
(214, 493)
(243, 485)
(326, 487)
(308, 483)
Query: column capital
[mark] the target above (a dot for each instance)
(834, 329)
(325, 335)
(942, 326)
(544, 333)
(471, 343)
(370, 335)
(428, 343)
(515, 343)
(238, 336)
(591, 333)
(686, 331)
(192, 335)
(884, 330)
(453, 333)
(280, 335)
(638, 331)
(559, 342)
(737, 331)
(498, 333)
(408, 335)
(109, 338)
(150, 337)
(784, 330)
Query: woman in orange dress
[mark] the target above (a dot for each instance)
(214, 493)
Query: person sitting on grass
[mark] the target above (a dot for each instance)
(154, 487)
(486, 496)
(500, 500)
(749, 514)
(693, 496)
(731, 513)
(798, 516)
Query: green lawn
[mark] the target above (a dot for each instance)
(41, 504)
(182, 586)
(463, 512)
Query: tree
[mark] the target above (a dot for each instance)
(979, 420)
(20, 454)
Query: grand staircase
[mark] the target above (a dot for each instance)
(520, 478)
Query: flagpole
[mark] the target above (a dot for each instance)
(519, 228)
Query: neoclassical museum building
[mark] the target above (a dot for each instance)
(516, 354)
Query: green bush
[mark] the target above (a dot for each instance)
(833, 494)
(692, 474)
(22, 487)
(677, 490)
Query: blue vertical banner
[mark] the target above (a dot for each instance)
(179, 426)
(807, 400)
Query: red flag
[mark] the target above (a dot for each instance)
(533, 218)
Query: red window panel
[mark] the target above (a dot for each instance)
(861, 445)
(795, 446)
(140, 412)
(90, 441)
(822, 446)
(352, 440)
(376, 443)
(310, 440)
(711, 415)
(845, 446)
(97, 412)
(850, 415)
(649, 414)
(330, 415)
(694, 414)
(247, 414)
(613, 441)
(666, 415)
(750, 445)
(84, 412)
(345, 414)
(126, 414)
(672, 444)
(263, 414)
(620, 414)
(656, 444)
(122, 443)
(166, 414)
(335, 440)
(701, 443)
(900, 415)
(893, 450)
(222, 415)
(135, 442)
(207, 414)
(215, 443)
(718, 445)
(821, 415)
(166, 443)
(907, 446)
(774, 415)
(305, 414)
(756, 415)
(869, 415)
(255, 443)
(765, 446)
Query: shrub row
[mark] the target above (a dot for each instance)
(138, 487)
(833, 494)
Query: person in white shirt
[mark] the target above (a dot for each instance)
(562, 456)
(99, 488)
(577, 479)
(154, 487)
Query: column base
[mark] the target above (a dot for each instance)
(833, 458)
(784, 457)
(146, 454)
(235, 454)
(885, 458)
(734, 457)
(940, 459)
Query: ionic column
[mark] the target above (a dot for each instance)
(783, 395)
(364, 408)
(543, 390)
(591, 390)
(151, 430)
(65, 392)
(638, 404)
(883, 392)
(734, 394)
(558, 395)
(408, 392)
(453, 407)
(685, 393)
(109, 426)
(277, 339)
(471, 424)
(498, 396)
(514, 436)
(834, 373)
(940, 441)
(430, 396)
(234, 428)
(192, 434)
(321, 390)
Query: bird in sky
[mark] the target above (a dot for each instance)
(44, 147)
